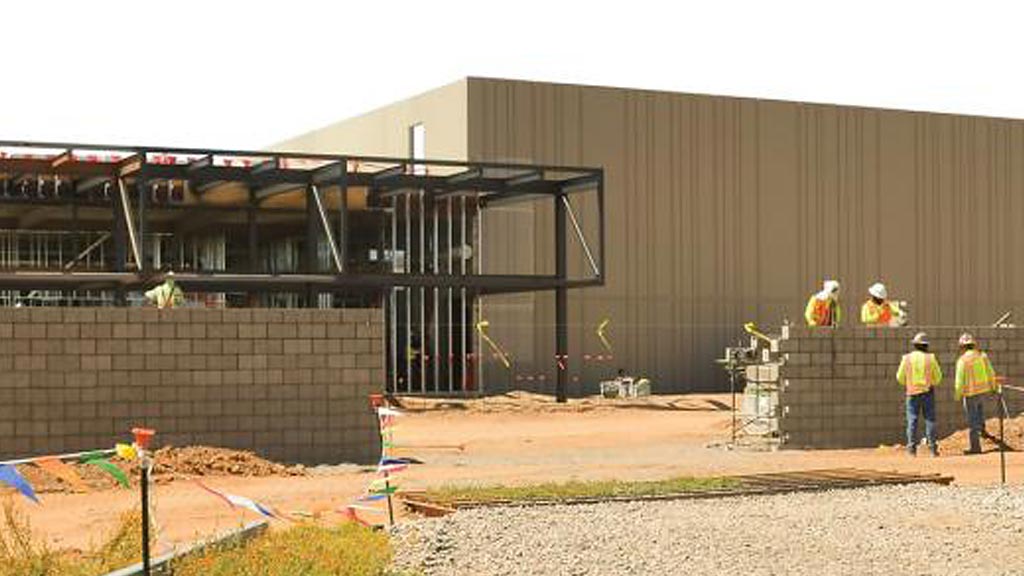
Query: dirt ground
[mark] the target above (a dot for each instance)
(517, 439)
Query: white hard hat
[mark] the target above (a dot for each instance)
(920, 338)
(878, 291)
(966, 339)
(170, 273)
(831, 287)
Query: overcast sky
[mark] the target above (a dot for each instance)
(247, 74)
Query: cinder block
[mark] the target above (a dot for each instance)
(252, 330)
(298, 346)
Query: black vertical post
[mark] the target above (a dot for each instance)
(145, 517)
(140, 185)
(343, 234)
(119, 235)
(253, 235)
(312, 236)
(561, 303)
(76, 240)
(1003, 413)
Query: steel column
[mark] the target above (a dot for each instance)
(140, 187)
(312, 237)
(561, 303)
(343, 232)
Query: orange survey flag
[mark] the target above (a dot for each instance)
(58, 469)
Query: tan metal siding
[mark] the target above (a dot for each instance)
(723, 210)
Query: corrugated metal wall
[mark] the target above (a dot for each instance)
(724, 210)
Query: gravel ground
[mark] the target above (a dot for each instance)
(893, 530)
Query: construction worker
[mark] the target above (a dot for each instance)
(823, 307)
(879, 310)
(919, 373)
(975, 378)
(166, 295)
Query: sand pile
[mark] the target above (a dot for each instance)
(959, 441)
(170, 463)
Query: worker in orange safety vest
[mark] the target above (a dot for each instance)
(879, 310)
(919, 373)
(975, 379)
(823, 307)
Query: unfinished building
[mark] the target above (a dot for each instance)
(399, 241)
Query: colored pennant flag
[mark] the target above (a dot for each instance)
(391, 468)
(109, 467)
(366, 508)
(236, 501)
(352, 516)
(58, 469)
(385, 411)
(372, 497)
(9, 475)
(126, 452)
(383, 490)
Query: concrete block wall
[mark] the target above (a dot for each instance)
(840, 391)
(291, 385)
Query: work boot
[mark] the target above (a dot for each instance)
(972, 452)
(911, 450)
(934, 450)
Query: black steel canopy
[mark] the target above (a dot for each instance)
(79, 168)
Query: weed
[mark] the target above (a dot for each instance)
(576, 489)
(305, 549)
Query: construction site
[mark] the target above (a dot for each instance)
(525, 328)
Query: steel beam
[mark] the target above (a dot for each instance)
(561, 304)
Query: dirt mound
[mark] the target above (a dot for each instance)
(169, 463)
(959, 441)
(190, 461)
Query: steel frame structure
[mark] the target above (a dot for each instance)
(441, 190)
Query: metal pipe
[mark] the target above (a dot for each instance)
(132, 238)
(579, 234)
(71, 263)
(315, 192)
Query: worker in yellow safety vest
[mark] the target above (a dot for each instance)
(166, 295)
(919, 373)
(823, 307)
(879, 310)
(975, 379)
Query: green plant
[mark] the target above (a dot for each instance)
(305, 549)
(576, 489)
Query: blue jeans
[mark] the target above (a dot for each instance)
(925, 404)
(974, 409)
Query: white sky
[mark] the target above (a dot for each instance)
(247, 74)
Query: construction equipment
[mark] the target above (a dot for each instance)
(755, 418)
(623, 386)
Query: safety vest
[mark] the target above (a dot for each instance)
(874, 314)
(166, 295)
(974, 375)
(822, 312)
(918, 372)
